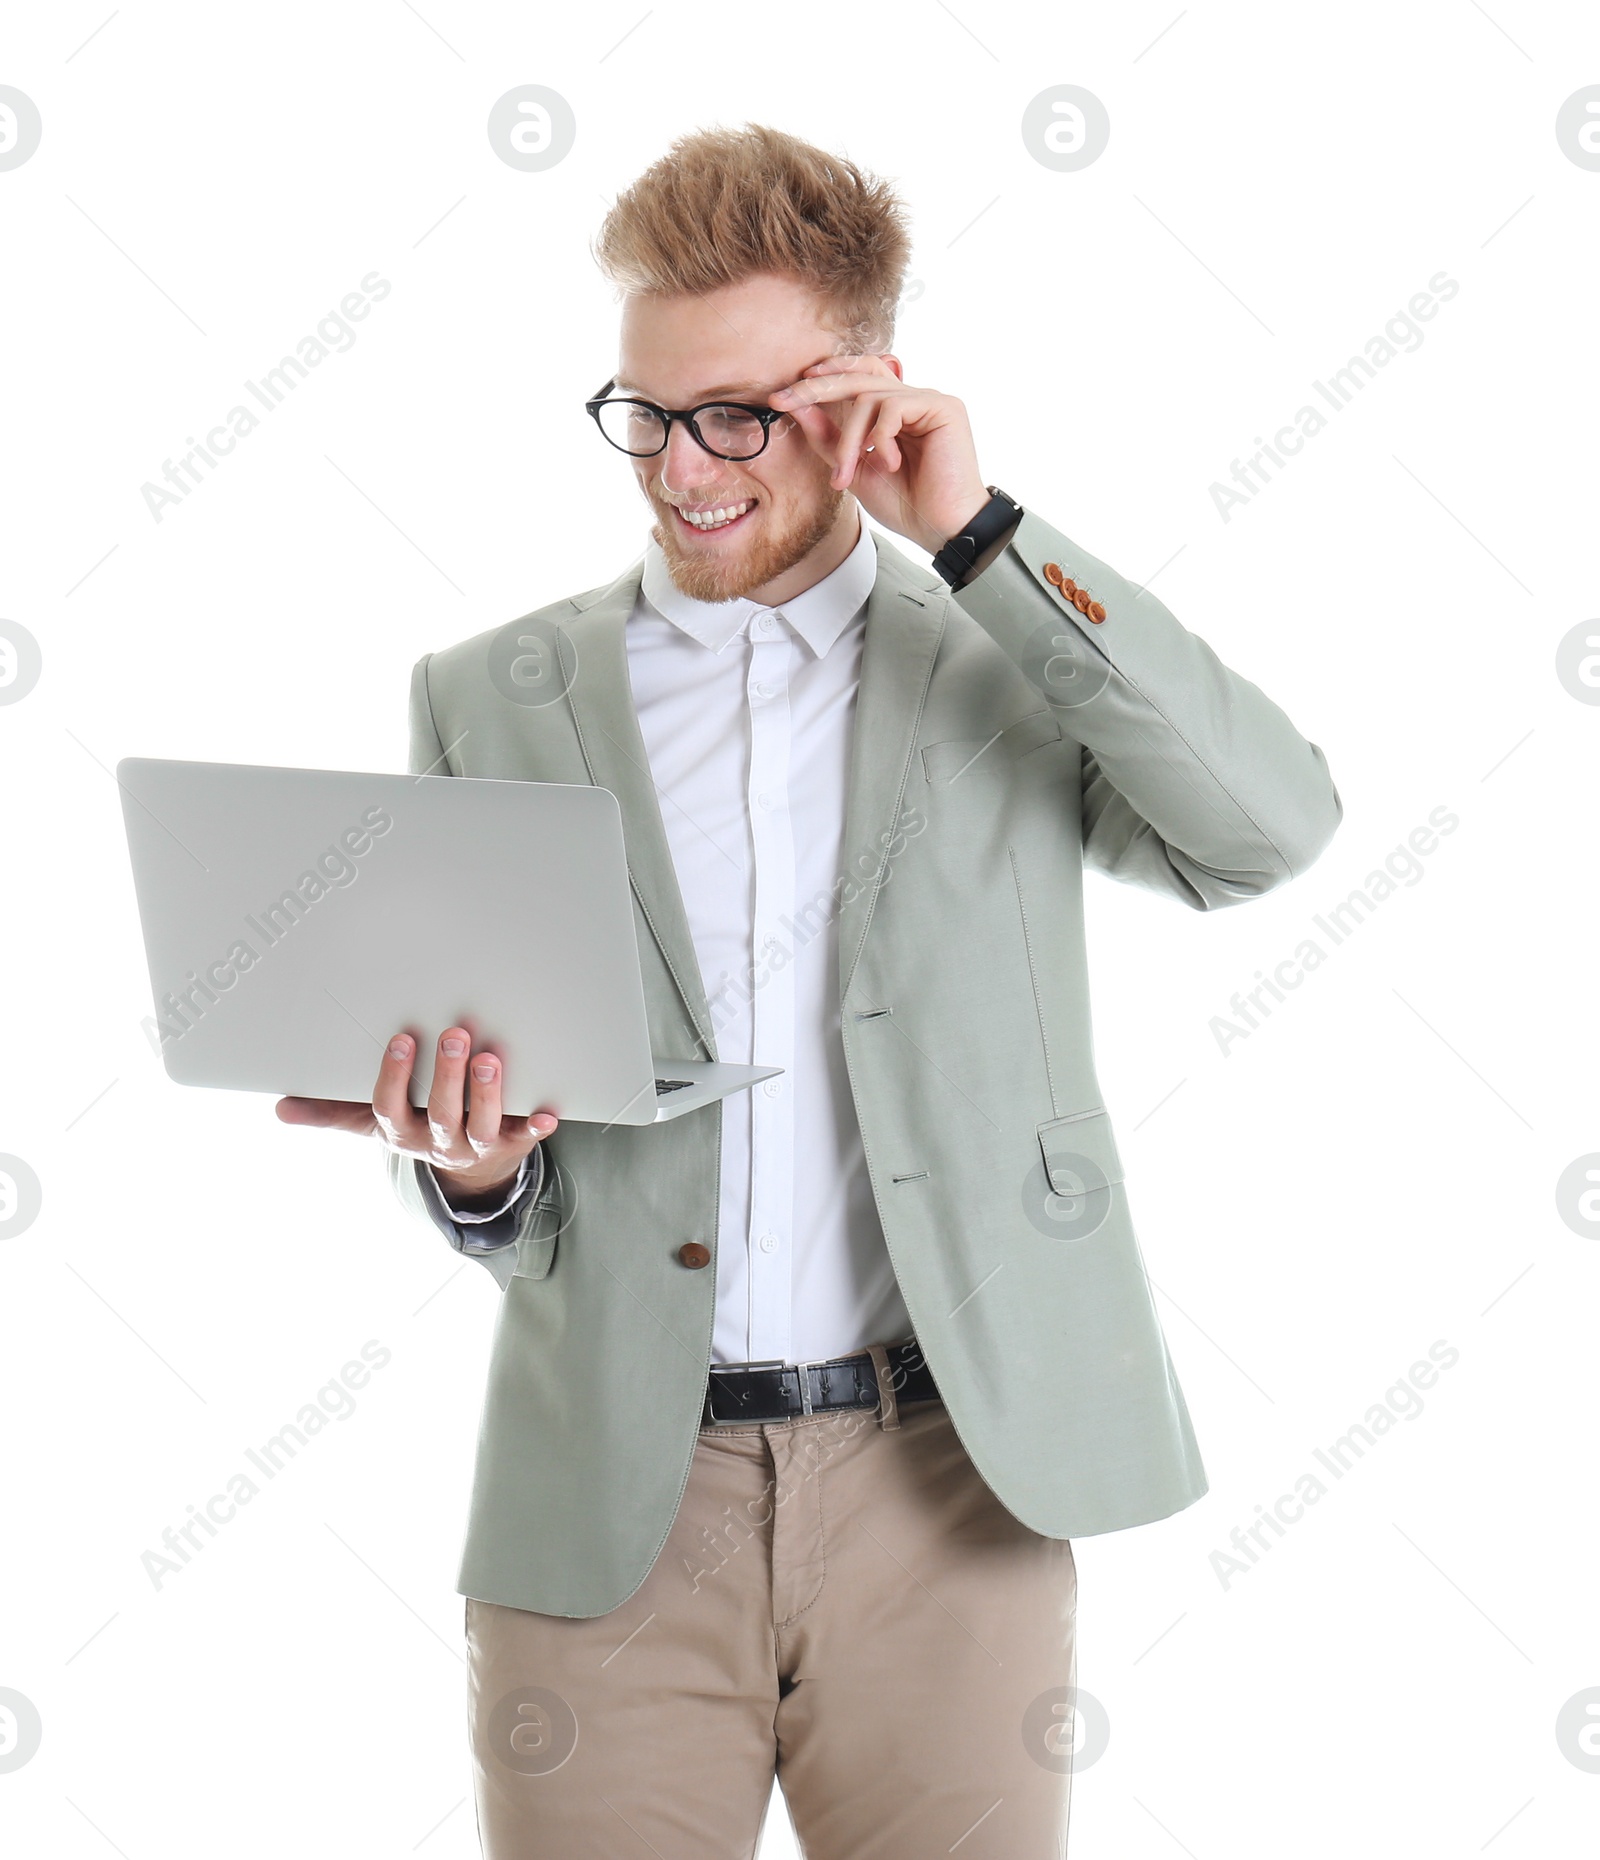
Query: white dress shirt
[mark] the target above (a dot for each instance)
(747, 715)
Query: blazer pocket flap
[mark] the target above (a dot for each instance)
(978, 755)
(1080, 1153)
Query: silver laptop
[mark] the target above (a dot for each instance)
(296, 919)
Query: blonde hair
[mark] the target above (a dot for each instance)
(723, 205)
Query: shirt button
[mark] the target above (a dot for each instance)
(762, 691)
(766, 624)
(772, 1087)
(766, 802)
(768, 1243)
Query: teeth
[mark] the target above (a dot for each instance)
(714, 519)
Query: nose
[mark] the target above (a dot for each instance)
(687, 466)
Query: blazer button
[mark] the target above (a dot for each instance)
(1080, 600)
(1052, 573)
(1096, 612)
(692, 1253)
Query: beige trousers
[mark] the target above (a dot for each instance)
(842, 1601)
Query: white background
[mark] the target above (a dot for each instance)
(1371, 1170)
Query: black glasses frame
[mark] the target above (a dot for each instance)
(766, 415)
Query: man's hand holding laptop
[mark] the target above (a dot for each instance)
(461, 1133)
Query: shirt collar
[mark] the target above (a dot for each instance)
(819, 615)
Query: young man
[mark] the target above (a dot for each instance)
(858, 798)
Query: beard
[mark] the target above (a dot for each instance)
(771, 551)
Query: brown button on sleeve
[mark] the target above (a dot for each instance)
(1080, 600)
(1052, 573)
(1096, 612)
(692, 1253)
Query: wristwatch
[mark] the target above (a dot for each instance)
(957, 560)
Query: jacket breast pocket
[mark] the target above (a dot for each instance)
(972, 758)
(1075, 1184)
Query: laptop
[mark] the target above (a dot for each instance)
(296, 919)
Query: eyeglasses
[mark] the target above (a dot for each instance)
(726, 429)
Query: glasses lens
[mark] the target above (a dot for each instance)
(731, 432)
(633, 427)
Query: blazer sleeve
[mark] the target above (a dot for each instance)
(1194, 782)
(490, 1238)
(493, 1242)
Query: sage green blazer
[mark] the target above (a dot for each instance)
(1006, 736)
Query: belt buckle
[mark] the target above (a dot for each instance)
(734, 1369)
(823, 1362)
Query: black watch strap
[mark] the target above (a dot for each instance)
(955, 560)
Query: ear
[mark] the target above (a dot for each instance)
(894, 363)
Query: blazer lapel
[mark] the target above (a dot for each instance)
(905, 622)
(594, 658)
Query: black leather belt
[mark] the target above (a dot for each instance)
(748, 1393)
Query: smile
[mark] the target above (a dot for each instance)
(723, 517)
